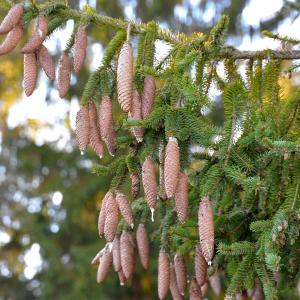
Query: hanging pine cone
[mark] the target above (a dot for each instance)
(12, 18)
(38, 36)
(125, 77)
(64, 75)
(163, 278)
(104, 266)
(111, 219)
(96, 260)
(171, 167)
(136, 114)
(180, 272)
(195, 291)
(122, 277)
(116, 254)
(148, 96)
(215, 284)
(161, 157)
(95, 140)
(173, 285)
(206, 229)
(80, 46)
(135, 184)
(11, 40)
(30, 73)
(82, 130)
(149, 183)
(143, 245)
(181, 197)
(257, 293)
(106, 125)
(127, 254)
(46, 62)
(200, 266)
(125, 208)
(102, 213)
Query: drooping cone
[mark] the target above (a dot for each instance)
(122, 277)
(11, 40)
(80, 46)
(64, 75)
(215, 284)
(111, 219)
(82, 130)
(38, 36)
(206, 229)
(104, 266)
(204, 289)
(195, 291)
(171, 167)
(143, 245)
(149, 183)
(161, 157)
(173, 284)
(148, 96)
(180, 272)
(96, 260)
(257, 293)
(46, 62)
(95, 140)
(181, 197)
(125, 76)
(12, 18)
(106, 124)
(125, 208)
(116, 254)
(102, 213)
(135, 184)
(136, 114)
(127, 254)
(163, 278)
(200, 266)
(30, 73)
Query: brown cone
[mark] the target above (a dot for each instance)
(104, 266)
(80, 46)
(125, 76)
(206, 229)
(215, 284)
(204, 289)
(102, 213)
(64, 75)
(200, 266)
(11, 40)
(195, 291)
(143, 245)
(136, 114)
(82, 130)
(38, 36)
(46, 62)
(181, 197)
(12, 18)
(30, 73)
(122, 277)
(163, 278)
(95, 140)
(116, 254)
(257, 293)
(181, 272)
(125, 208)
(148, 96)
(135, 184)
(106, 124)
(173, 285)
(171, 167)
(127, 254)
(111, 219)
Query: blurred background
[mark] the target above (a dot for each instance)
(48, 196)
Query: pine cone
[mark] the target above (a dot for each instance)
(38, 36)
(12, 18)
(95, 140)
(143, 245)
(195, 291)
(171, 167)
(125, 76)
(104, 266)
(215, 284)
(181, 197)
(148, 96)
(46, 62)
(11, 40)
(111, 219)
(116, 254)
(257, 293)
(135, 184)
(82, 130)
(122, 277)
(102, 214)
(125, 208)
(30, 73)
(106, 125)
(64, 75)
(181, 272)
(96, 260)
(173, 284)
(163, 279)
(204, 289)
(136, 114)
(80, 46)
(200, 266)
(127, 254)
(206, 229)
